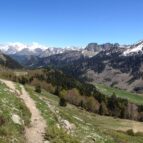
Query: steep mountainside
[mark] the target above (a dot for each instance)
(26, 60)
(114, 65)
(60, 60)
(8, 62)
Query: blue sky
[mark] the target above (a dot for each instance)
(71, 22)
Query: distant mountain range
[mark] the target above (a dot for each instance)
(92, 49)
(34, 49)
(113, 64)
(34, 54)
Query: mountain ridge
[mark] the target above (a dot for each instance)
(113, 64)
(109, 65)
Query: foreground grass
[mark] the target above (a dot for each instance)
(10, 105)
(18, 87)
(88, 126)
(132, 97)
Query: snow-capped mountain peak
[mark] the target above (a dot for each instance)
(34, 49)
(134, 49)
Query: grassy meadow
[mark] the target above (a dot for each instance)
(132, 97)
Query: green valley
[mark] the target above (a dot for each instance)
(132, 97)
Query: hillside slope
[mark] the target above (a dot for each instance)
(8, 62)
(14, 116)
(83, 126)
(36, 128)
(81, 94)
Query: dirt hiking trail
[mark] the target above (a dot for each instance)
(34, 133)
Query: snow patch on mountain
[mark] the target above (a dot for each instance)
(35, 49)
(134, 49)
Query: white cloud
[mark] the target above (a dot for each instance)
(19, 46)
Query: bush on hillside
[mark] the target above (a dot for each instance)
(38, 89)
(130, 132)
(62, 102)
